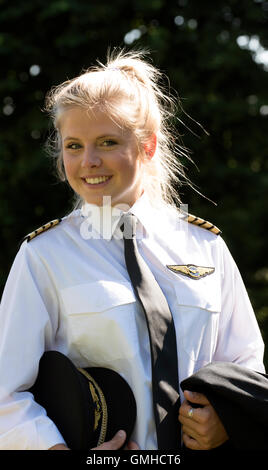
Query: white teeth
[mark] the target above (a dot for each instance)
(99, 179)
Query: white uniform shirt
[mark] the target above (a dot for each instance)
(70, 292)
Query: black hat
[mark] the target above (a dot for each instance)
(88, 405)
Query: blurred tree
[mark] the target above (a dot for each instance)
(215, 54)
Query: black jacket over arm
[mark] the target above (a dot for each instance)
(240, 398)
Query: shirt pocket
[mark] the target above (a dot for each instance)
(101, 322)
(198, 305)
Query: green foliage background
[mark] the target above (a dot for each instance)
(220, 85)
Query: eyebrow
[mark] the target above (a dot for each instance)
(70, 138)
(99, 137)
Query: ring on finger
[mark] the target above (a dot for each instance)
(190, 413)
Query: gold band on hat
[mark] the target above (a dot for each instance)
(101, 411)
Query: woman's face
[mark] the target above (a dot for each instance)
(100, 158)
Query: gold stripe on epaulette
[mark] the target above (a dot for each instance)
(192, 219)
(42, 229)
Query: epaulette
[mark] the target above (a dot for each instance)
(42, 229)
(192, 219)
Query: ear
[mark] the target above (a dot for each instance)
(150, 146)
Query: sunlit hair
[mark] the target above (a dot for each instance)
(130, 90)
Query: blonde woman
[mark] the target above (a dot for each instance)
(69, 289)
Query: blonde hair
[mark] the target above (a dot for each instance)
(129, 89)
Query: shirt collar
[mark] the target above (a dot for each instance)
(145, 214)
(103, 221)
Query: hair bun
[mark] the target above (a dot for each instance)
(133, 65)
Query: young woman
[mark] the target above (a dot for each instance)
(69, 289)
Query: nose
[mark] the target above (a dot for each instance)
(90, 158)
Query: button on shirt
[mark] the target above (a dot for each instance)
(68, 290)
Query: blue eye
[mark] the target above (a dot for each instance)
(73, 146)
(109, 143)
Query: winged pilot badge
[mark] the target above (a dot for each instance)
(191, 270)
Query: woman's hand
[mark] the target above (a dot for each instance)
(204, 430)
(114, 444)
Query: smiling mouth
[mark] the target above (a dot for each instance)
(97, 180)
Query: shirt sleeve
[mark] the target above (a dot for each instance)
(28, 322)
(239, 338)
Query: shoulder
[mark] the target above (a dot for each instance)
(52, 227)
(42, 229)
(202, 223)
(181, 219)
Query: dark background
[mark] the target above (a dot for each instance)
(213, 53)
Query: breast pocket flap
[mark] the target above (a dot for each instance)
(97, 296)
(202, 294)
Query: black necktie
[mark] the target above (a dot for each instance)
(165, 381)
